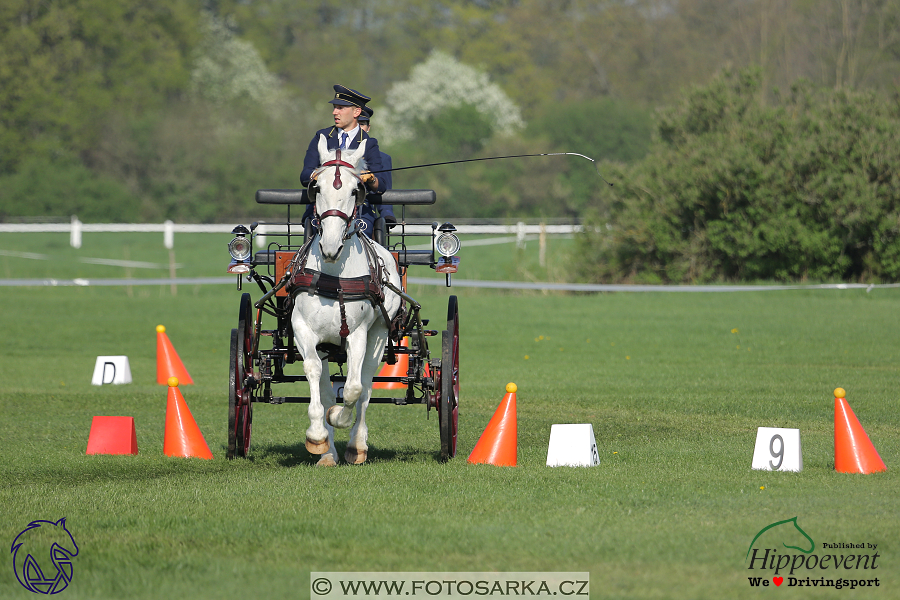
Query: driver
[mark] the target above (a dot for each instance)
(348, 105)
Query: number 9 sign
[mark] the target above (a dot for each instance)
(777, 450)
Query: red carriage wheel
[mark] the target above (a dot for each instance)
(448, 400)
(234, 393)
(240, 407)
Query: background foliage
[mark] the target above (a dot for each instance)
(737, 189)
(119, 109)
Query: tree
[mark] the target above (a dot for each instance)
(64, 64)
(439, 84)
(738, 190)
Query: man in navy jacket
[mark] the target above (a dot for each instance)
(346, 133)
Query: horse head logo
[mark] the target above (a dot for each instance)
(38, 540)
(787, 534)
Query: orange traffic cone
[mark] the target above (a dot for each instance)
(183, 437)
(853, 450)
(167, 362)
(112, 435)
(497, 445)
(398, 369)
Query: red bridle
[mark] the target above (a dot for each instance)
(337, 163)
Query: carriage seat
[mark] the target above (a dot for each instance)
(401, 197)
(392, 197)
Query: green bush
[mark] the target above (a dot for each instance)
(804, 188)
(62, 188)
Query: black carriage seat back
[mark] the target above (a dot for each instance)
(406, 197)
(393, 197)
(282, 197)
(401, 197)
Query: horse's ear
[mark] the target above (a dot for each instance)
(323, 148)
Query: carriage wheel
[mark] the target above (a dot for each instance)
(240, 408)
(448, 405)
(234, 379)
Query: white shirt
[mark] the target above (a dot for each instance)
(351, 135)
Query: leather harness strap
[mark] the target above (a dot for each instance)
(337, 163)
(366, 287)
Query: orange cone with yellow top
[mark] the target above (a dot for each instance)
(183, 437)
(398, 369)
(498, 444)
(168, 364)
(853, 450)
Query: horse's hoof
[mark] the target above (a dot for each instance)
(355, 457)
(316, 447)
(332, 415)
(327, 460)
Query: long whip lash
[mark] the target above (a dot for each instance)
(451, 162)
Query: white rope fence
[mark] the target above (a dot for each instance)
(76, 229)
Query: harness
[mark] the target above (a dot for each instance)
(337, 184)
(343, 289)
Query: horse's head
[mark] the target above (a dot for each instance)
(337, 190)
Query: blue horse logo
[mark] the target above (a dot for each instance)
(36, 541)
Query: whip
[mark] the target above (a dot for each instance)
(451, 162)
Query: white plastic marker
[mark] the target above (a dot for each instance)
(111, 369)
(777, 450)
(572, 446)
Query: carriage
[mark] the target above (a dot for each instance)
(262, 355)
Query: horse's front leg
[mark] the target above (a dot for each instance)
(317, 441)
(319, 437)
(327, 399)
(342, 416)
(357, 447)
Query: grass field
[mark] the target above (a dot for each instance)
(674, 385)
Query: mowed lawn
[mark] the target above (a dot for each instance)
(674, 384)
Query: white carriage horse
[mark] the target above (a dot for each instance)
(352, 320)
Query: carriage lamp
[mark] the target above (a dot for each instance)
(447, 245)
(239, 248)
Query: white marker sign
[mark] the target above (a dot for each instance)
(572, 446)
(111, 369)
(777, 450)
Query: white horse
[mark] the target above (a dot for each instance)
(338, 190)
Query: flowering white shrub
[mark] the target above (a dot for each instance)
(443, 82)
(228, 69)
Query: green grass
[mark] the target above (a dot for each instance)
(206, 255)
(673, 395)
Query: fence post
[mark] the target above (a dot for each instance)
(542, 253)
(75, 233)
(520, 235)
(260, 236)
(169, 234)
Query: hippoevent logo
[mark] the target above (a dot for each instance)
(769, 555)
(42, 556)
